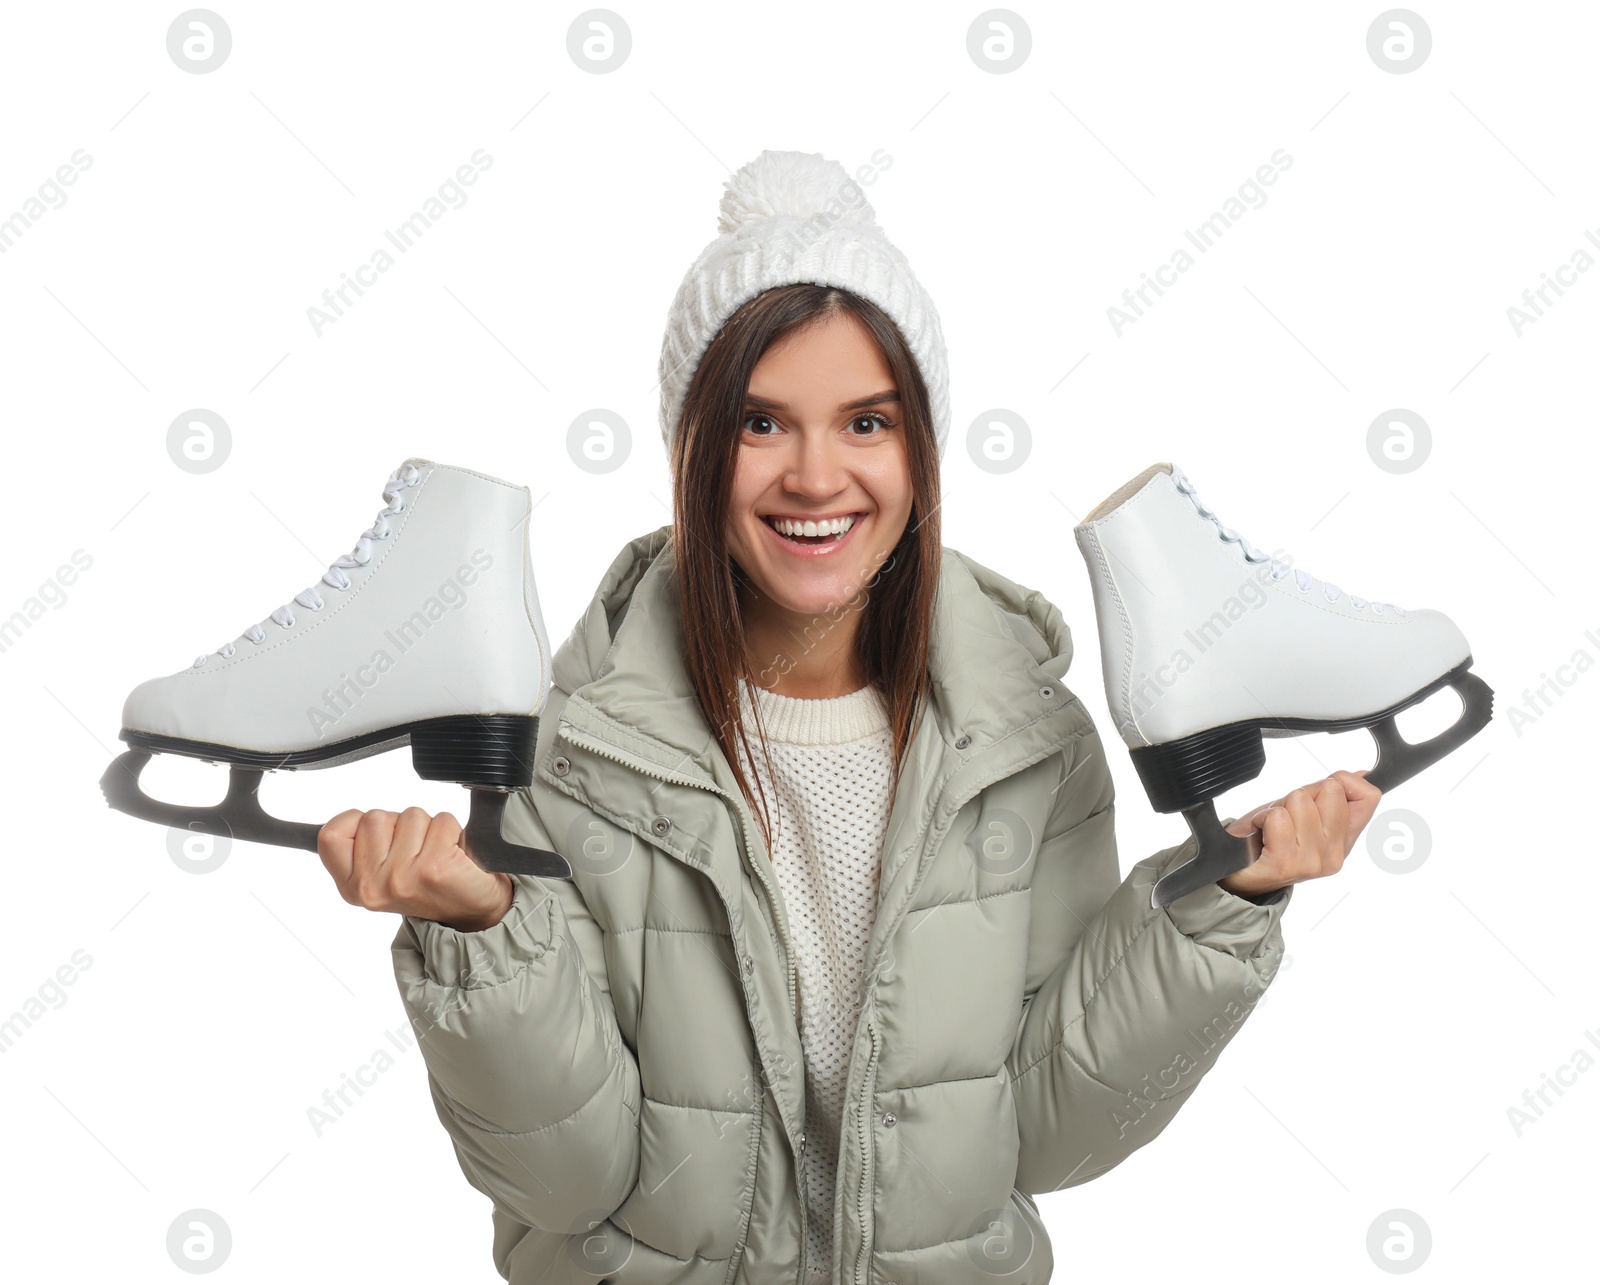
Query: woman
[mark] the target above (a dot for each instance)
(845, 969)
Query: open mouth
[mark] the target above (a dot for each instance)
(812, 533)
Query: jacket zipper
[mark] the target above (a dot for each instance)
(607, 751)
(597, 746)
(672, 778)
(863, 1251)
(869, 1080)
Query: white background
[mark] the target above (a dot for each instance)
(218, 207)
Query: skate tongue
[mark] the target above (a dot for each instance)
(1126, 492)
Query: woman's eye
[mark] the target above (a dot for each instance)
(861, 426)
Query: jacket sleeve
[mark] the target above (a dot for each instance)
(1128, 1005)
(527, 1068)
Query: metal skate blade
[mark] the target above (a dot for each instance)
(482, 841)
(1218, 855)
(239, 815)
(1400, 760)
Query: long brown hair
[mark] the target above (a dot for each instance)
(897, 605)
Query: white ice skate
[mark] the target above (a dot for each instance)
(428, 634)
(1207, 645)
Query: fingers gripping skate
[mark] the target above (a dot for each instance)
(1187, 775)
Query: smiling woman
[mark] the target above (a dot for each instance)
(807, 407)
(827, 1011)
(806, 472)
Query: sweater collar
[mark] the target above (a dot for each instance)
(816, 721)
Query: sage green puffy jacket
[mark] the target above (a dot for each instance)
(618, 1061)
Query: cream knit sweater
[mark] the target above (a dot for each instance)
(832, 762)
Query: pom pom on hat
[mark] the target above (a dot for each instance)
(788, 217)
(797, 184)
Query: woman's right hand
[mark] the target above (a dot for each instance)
(413, 864)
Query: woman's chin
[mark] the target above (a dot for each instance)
(810, 590)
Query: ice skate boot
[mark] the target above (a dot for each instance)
(1207, 645)
(428, 634)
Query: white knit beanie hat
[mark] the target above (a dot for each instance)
(789, 217)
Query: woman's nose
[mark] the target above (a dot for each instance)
(816, 464)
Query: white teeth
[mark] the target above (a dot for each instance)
(829, 526)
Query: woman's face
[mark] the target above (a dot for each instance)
(822, 438)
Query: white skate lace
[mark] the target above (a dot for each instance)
(1280, 568)
(335, 576)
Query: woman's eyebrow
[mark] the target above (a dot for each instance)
(860, 403)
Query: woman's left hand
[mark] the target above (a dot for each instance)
(1307, 834)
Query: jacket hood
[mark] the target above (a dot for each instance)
(994, 644)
